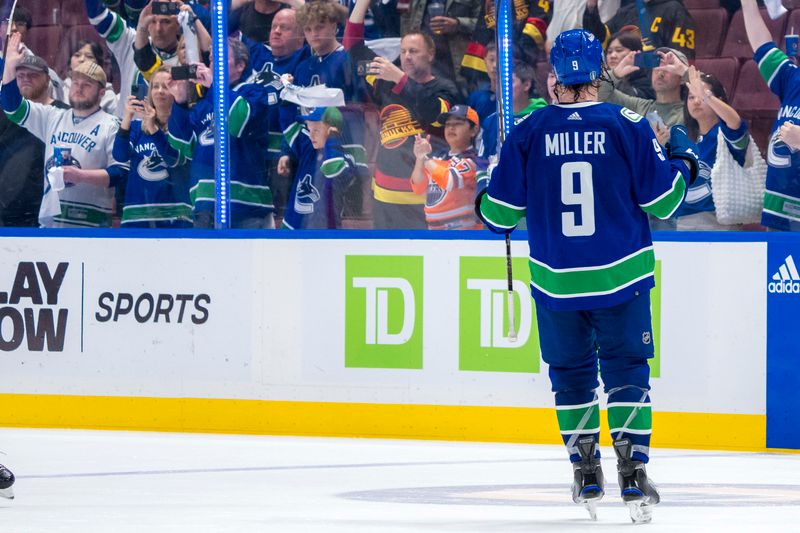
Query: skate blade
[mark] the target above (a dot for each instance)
(641, 513)
(591, 506)
(7, 493)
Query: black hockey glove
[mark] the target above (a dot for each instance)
(681, 147)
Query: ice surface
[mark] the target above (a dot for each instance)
(119, 482)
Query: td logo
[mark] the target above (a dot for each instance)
(483, 317)
(383, 311)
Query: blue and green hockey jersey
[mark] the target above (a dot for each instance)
(782, 197)
(157, 188)
(584, 176)
(191, 133)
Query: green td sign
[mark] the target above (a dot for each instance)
(383, 312)
(483, 342)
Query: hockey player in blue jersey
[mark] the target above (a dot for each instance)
(585, 175)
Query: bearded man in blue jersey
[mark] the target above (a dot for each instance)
(585, 174)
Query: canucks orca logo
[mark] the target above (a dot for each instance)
(207, 137)
(268, 77)
(779, 155)
(306, 196)
(152, 168)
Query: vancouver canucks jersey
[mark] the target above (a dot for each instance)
(89, 141)
(698, 196)
(191, 132)
(316, 198)
(782, 197)
(157, 190)
(585, 176)
(334, 70)
(266, 69)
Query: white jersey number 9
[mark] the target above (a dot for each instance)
(584, 198)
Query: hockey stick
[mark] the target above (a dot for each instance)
(505, 115)
(512, 330)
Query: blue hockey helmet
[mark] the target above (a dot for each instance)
(576, 57)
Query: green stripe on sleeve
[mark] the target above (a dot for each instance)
(771, 63)
(18, 116)
(184, 148)
(501, 214)
(665, 205)
(333, 167)
(239, 116)
(116, 30)
(782, 206)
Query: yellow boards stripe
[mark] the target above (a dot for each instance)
(466, 423)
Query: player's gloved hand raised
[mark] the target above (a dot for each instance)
(681, 147)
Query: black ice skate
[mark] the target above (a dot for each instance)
(6, 481)
(637, 491)
(588, 487)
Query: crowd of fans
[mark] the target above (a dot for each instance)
(404, 141)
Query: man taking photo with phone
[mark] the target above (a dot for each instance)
(156, 32)
(411, 99)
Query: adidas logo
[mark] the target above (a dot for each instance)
(786, 280)
(574, 116)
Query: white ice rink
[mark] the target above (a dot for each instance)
(117, 482)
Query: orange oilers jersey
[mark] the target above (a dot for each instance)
(450, 192)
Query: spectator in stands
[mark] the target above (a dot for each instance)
(78, 145)
(484, 100)
(530, 35)
(330, 64)
(448, 179)
(782, 196)
(121, 39)
(708, 116)
(523, 87)
(157, 186)
(148, 61)
(672, 25)
(132, 9)
(411, 100)
(636, 83)
(21, 22)
(155, 33)
(318, 196)
(667, 81)
(21, 153)
(286, 50)
(191, 132)
(90, 51)
(254, 17)
(449, 23)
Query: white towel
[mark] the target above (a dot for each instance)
(774, 8)
(51, 205)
